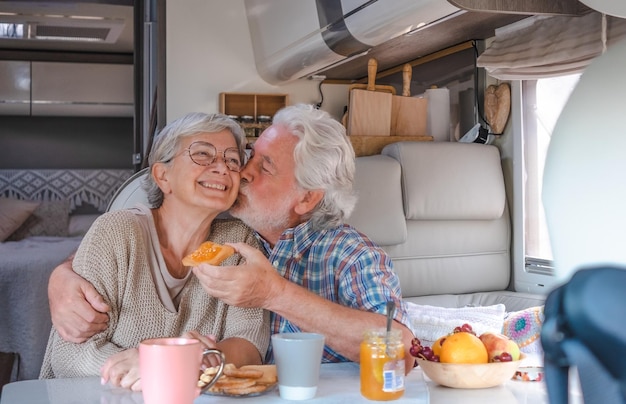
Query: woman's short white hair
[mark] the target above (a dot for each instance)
(167, 143)
(324, 160)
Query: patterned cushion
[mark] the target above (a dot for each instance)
(13, 213)
(524, 327)
(49, 219)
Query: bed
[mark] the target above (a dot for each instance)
(43, 217)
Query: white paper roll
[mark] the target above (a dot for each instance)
(438, 123)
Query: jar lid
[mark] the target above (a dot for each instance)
(380, 334)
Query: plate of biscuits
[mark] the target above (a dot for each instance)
(245, 381)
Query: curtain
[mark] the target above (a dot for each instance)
(550, 46)
(93, 186)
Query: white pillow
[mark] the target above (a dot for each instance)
(13, 213)
(428, 323)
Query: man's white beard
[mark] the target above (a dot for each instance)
(275, 217)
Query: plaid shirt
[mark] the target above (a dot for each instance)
(339, 264)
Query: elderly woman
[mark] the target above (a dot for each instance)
(134, 259)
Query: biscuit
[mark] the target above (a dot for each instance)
(269, 373)
(248, 379)
(257, 388)
(227, 382)
(244, 373)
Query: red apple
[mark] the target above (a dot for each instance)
(497, 344)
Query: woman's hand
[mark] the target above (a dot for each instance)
(122, 370)
(209, 343)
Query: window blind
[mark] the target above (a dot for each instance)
(549, 46)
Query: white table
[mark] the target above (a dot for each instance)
(339, 383)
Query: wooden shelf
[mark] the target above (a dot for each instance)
(254, 125)
(251, 104)
(254, 105)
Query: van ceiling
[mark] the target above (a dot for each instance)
(477, 20)
(403, 49)
(464, 26)
(109, 25)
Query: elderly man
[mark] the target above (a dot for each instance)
(317, 274)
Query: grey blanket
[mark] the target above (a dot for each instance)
(25, 267)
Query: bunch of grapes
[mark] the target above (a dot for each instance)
(503, 357)
(464, 328)
(423, 352)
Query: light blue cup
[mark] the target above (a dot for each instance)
(298, 359)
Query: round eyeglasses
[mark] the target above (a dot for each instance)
(205, 154)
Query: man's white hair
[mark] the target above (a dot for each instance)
(324, 160)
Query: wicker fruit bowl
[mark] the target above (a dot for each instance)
(469, 376)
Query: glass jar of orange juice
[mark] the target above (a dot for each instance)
(382, 365)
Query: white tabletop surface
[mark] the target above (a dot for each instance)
(339, 383)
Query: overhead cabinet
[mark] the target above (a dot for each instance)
(82, 89)
(73, 89)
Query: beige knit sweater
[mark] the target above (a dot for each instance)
(113, 256)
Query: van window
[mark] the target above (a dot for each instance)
(543, 100)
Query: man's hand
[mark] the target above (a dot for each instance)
(122, 370)
(252, 284)
(78, 311)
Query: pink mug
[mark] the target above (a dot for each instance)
(170, 369)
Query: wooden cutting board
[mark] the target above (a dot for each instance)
(408, 114)
(497, 103)
(372, 64)
(369, 110)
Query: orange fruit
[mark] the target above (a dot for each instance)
(463, 347)
(437, 345)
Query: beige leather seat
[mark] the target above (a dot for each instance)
(439, 210)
